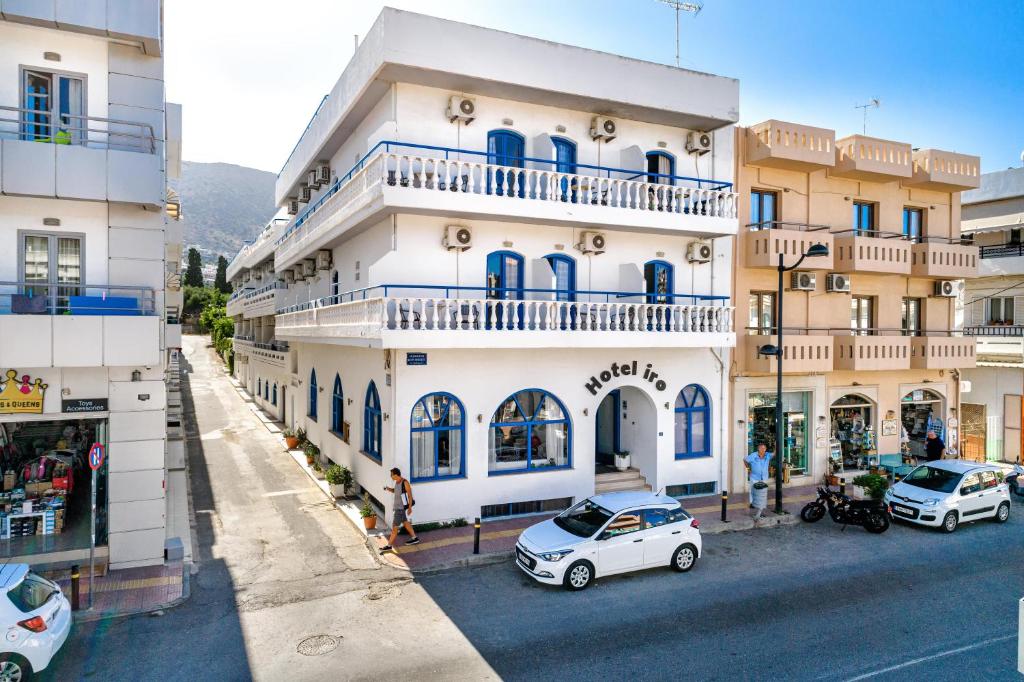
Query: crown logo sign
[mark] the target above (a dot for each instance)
(21, 396)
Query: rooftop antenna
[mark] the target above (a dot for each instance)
(873, 104)
(678, 6)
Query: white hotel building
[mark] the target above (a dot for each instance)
(502, 264)
(89, 251)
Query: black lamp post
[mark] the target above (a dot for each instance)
(813, 251)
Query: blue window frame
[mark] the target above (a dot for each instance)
(564, 269)
(530, 431)
(266, 390)
(763, 208)
(372, 423)
(259, 387)
(506, 148)
(693, 423)
(338, 408)
(863, 217)
(505, 275)
(273, 396)
(658, 164)
(311, 408)
(565, 162)
(437, 443)
(659, 280)
(913, 223)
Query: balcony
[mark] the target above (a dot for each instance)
(765, 241)
(790, 146)
(875, 352)
(257, 250)
(867, 158)
(942, 352)
(85, 157)
(997, 260)
(874, 251)
(276, 354)
(77, 325)
(459, 183)
(250, 303)
(461, 317)
(944, 171)
(998, 345)
(804, 351)
(944, 258)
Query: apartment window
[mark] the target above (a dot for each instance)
(763, 207)
(438, 440)
(529, 431)
(311, 407)
(56, 107)
(911, 313)
(913, 223)
(372, 427)
(1000, 310)
(863, 217)
(51, 266)
(862, 315)
(660, 167)
(762, 312)
(338, 408)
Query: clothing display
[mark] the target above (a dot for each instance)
(852, 427)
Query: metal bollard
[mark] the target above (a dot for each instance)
(842, 485)
(476, 535)
(725, 505)
(75, 575)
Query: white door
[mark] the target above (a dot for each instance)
(1011, 427)
(621, 547)
(663, 532)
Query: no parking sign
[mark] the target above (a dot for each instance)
(96, 456)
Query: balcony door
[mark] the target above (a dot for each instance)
(55, 104)
(762, 313)
(862, 315)
(506, 148)
(863, 218)
(658, 279)
(564, 269)
(505, 283)
(565, 162)
(913, 224)
(911, 313)
(51, 266)
(661, 169)
(763, 208)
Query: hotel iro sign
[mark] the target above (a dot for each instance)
(21, 396)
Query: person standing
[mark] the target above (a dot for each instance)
(934, 448)
(757, 464)
(401, 510)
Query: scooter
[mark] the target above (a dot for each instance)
(870, 514)
(1014, 480)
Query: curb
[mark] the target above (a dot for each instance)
(186, 592)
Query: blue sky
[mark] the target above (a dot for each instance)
(949, 74)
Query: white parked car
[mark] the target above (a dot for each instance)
(608, 534)
(37, 619)
(946, 493)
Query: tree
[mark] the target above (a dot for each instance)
(220, 282)
(194, 271)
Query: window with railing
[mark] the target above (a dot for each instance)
(1000, 310)
(763, 207)
(54, 106)
(913, 224)
(862, 315)
(863, 218)
(911, 314)
(762, 312)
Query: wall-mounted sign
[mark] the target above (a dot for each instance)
(84, 405)
(415, 358)
(889, 427)
(624, 370)
(21, 396)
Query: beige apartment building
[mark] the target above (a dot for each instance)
(872, 359)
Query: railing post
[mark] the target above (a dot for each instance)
(725, 505)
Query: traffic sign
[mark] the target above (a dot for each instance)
(96, 456)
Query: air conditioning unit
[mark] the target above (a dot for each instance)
(591, 242)
(308, 267)
(323, 260)
(288, 277)
(698, 143)
(836, 283)
(802, 281)
(461, 109)
(313, 178)
(698, 252)
(324, 171)
(293, 206)
(602, 128)
(948, 288)
(457, 237)
(306, 195)
(297, 273)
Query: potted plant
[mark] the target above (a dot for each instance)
(300, 435)
(622, 460)
(312, 452)
(291, 440)
(318, 472)
(368, 514)
(870, 485)
(339, 478)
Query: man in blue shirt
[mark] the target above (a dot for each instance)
(757, 466)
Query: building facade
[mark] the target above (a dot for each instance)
(872, 355)
(87, 276)
(498, 273)
(993, 310)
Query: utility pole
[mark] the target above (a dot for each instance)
(873, 104)
(678, 6)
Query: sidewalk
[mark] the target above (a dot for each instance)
(127, 591)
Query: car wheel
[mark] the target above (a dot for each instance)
(684, 558)
(812, 512)
(949, 522)
(1003, 513)
(14, 668)
(578, 576)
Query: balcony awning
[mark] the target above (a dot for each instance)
(1002, 223)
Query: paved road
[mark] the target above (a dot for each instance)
(277, 565)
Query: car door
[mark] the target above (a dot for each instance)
(989, 495)
(662, 534)
(971, 497)
(621, 544)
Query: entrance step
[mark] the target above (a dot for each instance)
(631, 479)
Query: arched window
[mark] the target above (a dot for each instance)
(659, 281)
(660, 164)
(259, 387)
(372, 423)
(506, 148)
(311, 409)
(504, 275)
(564, 269)
(530, 430)
(338, 408)
(273, 396)
(565, 162)
(437, 444)
(266, 390)
(693, 423)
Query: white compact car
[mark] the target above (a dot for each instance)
(608, 534)
(946, 493)
(37, 619)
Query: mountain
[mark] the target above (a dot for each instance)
(223, 206)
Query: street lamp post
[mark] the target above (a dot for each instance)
(814, 251)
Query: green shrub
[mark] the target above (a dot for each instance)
(875, 485)
(338, 475)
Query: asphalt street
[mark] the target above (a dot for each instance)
(277, 565)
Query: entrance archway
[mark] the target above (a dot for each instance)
(626, 420)
(921, 411)
(852, 420)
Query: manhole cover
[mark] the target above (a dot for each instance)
(318, 645)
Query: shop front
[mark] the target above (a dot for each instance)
(921, 411)
(852, 419)
(796, 415)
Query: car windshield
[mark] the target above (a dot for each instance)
(585, 519)
(31, 593)
(932, 478)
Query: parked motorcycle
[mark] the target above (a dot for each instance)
(870, 514)
(1015, 481)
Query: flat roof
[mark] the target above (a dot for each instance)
(1004, 184)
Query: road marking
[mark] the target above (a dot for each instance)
(279, 493)
(925, 659)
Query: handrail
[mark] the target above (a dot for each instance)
(786, 224)
(64, 127)
(854, 231)
(22, 297)
(1001, 250)
(304, 131)
(771, 330)
(998, 330)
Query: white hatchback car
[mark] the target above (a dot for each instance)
(608, 534)
(37, 619)
(946, 493)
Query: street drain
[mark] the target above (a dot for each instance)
(318, 645)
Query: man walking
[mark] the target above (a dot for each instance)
(401, 510)
(757, 465)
